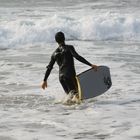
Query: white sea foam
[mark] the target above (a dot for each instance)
(104, 27)
(26, 111)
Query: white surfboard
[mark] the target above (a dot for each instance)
(93, 83)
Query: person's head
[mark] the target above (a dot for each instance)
(60, 37)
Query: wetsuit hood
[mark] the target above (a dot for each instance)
(59, 37)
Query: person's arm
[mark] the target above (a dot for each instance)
(78, 57)
(81, 59)
(48, 71)
(49, 68)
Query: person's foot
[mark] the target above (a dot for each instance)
(71, 94)
(68, 99)
(72, 98)
(75, 99)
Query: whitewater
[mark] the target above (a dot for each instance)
(105, 33)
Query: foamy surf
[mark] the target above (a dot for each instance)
(26, 31)
(105, 33)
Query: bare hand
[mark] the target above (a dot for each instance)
(95, 67)
(44, 85)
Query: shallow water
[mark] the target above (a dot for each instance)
(27, 112)
(105, 33)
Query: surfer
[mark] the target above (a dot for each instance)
(64, 56)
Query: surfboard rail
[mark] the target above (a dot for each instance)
(79, 89)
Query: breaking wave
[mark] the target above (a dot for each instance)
(34, 31)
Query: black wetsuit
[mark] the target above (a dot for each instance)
(63, 55)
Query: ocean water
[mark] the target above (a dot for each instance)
(105, 32)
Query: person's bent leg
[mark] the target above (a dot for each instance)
(72, 84)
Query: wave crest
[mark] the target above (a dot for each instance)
(31, 31)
